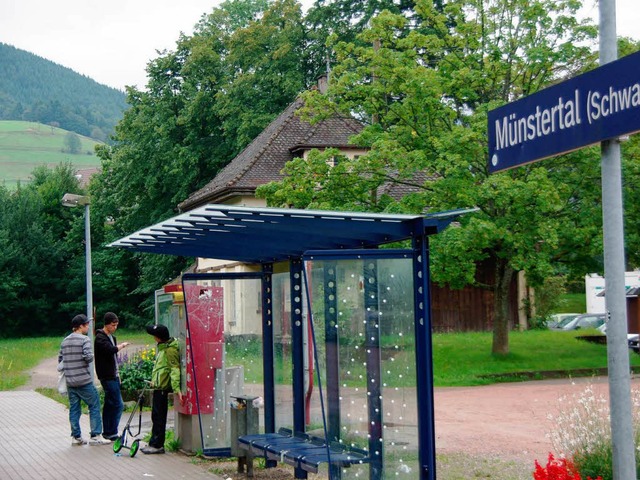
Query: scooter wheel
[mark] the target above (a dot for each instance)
(117, 445)
(134, 448)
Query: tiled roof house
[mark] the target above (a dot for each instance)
(84, 175)
(262, 161)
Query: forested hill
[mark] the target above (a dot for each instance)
(35, 89)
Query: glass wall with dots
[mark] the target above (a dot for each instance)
(363, 394)
(223, 354)
(282, 351)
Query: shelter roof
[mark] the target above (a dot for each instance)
(266, 235)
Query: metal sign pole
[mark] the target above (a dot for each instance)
(89, 275)
(622, 437)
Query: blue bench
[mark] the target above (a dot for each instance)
(300, 450)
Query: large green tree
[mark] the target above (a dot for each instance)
(204, 102)
(34, 260)
(423, 90)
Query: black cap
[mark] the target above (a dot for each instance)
(79, 320)
(159, 331)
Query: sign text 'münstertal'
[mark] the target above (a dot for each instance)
(598, 105)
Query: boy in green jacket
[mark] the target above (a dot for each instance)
(165, 378)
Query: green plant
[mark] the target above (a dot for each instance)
(171, 442)
(549, 296)
(135, 370)
(557, 469)
(582, 431)
(599, 461)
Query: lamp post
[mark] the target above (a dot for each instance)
(72, 200)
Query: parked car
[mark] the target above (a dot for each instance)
(633, 339)
(586, 320)
(559, 319)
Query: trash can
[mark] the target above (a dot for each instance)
(244, 421)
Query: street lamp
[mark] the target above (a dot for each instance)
(71, 200)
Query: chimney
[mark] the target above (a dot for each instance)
(323, 83)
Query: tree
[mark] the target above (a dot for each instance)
(266, 61)
(204, 102)
(72, 143)
(33, 225)
(343, 21)
(631, 179)
(423, 90)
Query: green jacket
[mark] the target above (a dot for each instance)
(166, 369)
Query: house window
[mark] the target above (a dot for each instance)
(333, 161)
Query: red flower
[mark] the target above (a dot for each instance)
(561, 469)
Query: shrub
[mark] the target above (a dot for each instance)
(549, 296)
(136, 369)
(582, 432)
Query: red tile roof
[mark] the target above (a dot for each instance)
(264, 158)
(84, 175)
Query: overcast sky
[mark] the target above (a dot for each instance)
(112, 41)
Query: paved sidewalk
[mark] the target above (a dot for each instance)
(36, 446)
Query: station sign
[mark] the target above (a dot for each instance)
(601, 104)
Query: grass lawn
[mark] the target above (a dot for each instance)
(460, 359)
(26, 145)
(465, 358)
(135, 337)
(573, 303)
(18, 356)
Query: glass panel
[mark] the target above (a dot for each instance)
(364, 332)
(224, 340)
(282, 351)
(170, 313)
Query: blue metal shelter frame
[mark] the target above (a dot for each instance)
(268, 235)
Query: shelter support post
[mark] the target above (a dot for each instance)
(372, 346)
(267, 353)
(424, 358)
(332, 364)
(297, 350)
(331, 339)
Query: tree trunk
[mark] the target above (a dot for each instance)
(504, 275)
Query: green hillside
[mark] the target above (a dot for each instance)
(34, 89)
(25, 145)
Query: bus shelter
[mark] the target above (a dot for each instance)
(329, 334)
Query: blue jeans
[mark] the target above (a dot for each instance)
(112, 408)
(89, 395)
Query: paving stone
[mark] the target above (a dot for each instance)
(36, 445)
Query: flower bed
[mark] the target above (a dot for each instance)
(135, 371)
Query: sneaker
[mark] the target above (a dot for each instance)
(99, 440)
(78, 441)
(151, 450)
(113, 437)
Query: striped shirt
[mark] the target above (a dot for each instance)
(77, 356)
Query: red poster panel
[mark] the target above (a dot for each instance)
(204, 347)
